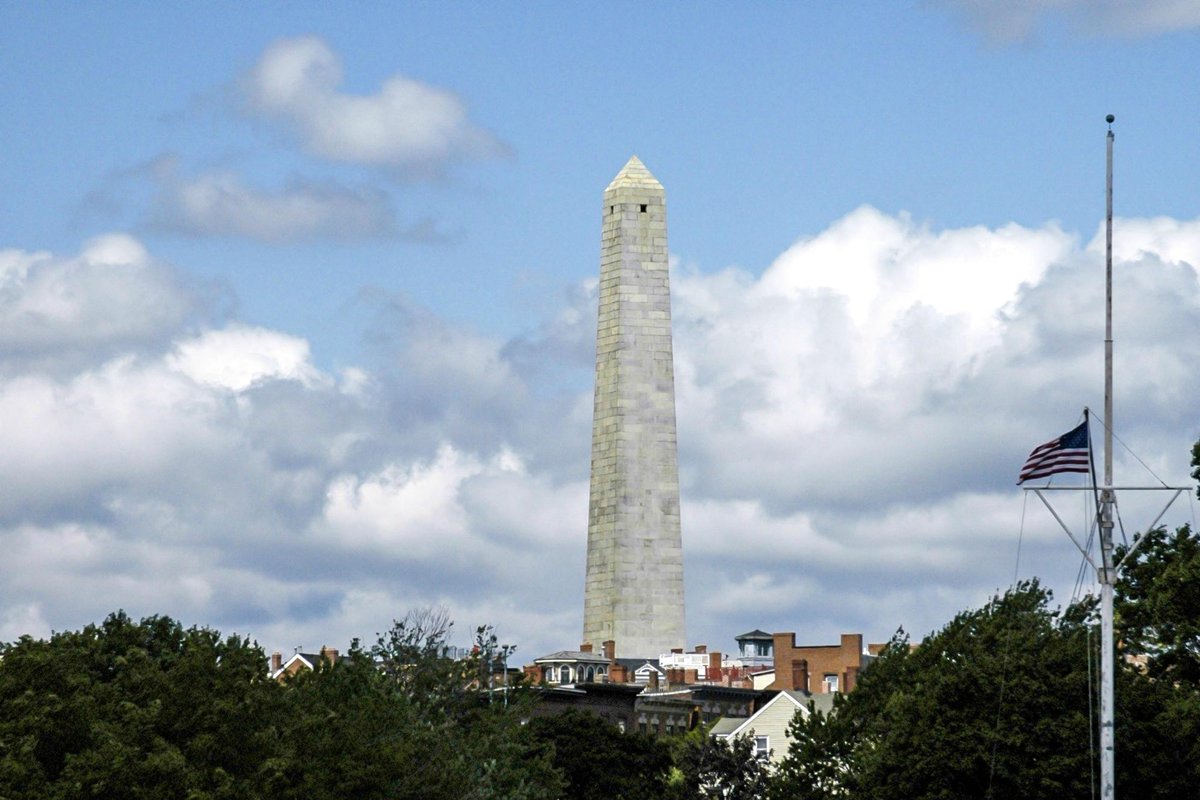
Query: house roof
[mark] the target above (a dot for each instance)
(726, 726)
(755, 634)
(634, 664)
(573, 655)
(309, 660)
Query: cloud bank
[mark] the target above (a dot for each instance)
(851, 421)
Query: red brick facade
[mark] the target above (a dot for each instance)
(817, 669)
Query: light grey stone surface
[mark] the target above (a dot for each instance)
(633, 592)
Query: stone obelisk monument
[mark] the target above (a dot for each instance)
(634, 589)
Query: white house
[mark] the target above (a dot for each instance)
(768, 726)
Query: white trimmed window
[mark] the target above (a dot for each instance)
(762, 747)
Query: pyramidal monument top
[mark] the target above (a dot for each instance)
(634, 175)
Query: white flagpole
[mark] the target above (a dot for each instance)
(1106, 571)
(1106, 574)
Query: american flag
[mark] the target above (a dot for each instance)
(1066, 453)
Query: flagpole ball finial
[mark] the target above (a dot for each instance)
(1110, 119)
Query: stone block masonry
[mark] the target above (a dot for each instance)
(633, 592)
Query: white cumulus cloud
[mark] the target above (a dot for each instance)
(239, 356)
(406, 124)
(110, 296)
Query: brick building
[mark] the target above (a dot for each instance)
(819, 669)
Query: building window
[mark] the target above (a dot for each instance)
(762, 747)
(831, 682)
(591, 674)
(564, 674)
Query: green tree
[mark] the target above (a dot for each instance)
(993, 704)
(149, 710)
(129, 709)
(598, 762)
(710, 769)
(818, 759)
(406, 720)
(1158, 604)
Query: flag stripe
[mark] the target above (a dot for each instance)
(1066, 453)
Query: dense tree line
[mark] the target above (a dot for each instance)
(999, 703)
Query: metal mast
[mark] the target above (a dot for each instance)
(1106, 573)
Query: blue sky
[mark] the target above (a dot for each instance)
(352, 250)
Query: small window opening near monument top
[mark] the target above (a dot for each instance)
(643, 208)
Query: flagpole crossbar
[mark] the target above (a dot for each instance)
(1137, 542)
(1102, 488)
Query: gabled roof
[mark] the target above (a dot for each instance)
(634, 664)
(308, 660)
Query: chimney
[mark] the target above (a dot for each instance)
(714, 666)
(586, 647)
(276, 662)
(852, 646)
(329, 654)
(654, 680)
(701, 648)
(677, 650)
(800, 674)
(610, 650)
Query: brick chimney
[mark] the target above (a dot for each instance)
(653, 680)
(800, 674)
(586, 647)
(610, 650)
(329, 654)
(701, 648)
(276, 662)
(714, 666)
